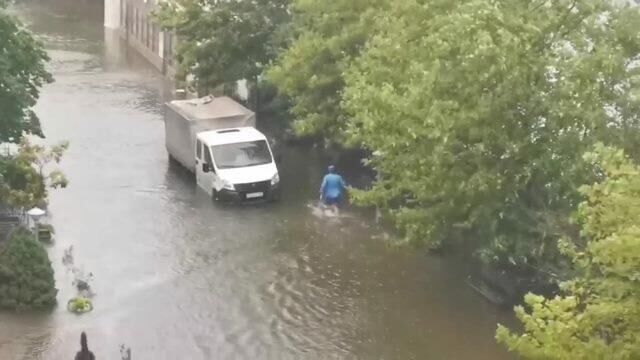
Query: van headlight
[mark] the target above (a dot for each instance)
(227, 185)
(275, 180)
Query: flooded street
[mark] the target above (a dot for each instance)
(179, 277)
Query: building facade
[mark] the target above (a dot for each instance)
(133, 21)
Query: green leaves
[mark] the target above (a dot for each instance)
(26, 276)
(482, 111)
(223, 42)
(80, 305)
(22, 74)
(327, 37)
(598, 315)
(24, 176)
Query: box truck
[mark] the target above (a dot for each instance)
(216, 139)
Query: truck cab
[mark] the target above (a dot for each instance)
(236, 164)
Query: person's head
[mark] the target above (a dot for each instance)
(83, 342)
(332, 169)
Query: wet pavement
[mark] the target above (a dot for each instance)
(179, 277)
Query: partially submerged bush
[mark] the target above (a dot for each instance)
(79, 305)
(26, 276)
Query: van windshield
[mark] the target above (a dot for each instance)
(243, 154)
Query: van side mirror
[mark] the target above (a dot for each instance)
(206, 168)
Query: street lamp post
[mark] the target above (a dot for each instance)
(35, 214)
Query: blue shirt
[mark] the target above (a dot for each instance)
(332, 186)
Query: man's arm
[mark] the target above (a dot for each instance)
(324, 184)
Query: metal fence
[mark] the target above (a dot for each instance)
(10, 219)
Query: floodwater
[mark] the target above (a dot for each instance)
(179, 277)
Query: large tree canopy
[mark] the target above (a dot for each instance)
(22, 73)
(478, 113)
(598, 316)
(327, 36)
(221, 42)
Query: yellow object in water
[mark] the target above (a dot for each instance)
(79, 305)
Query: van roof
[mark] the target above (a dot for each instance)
(230, 135)
(210, 107)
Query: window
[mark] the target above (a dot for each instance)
(199, 149)
(169, 48)
(135, 22)
(149, 35)
(123, 13)
(145, 41)
(237, 155)
(129, 19)
(207, 157)
(156, 36)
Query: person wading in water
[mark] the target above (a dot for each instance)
(84, 353)
(333, 189)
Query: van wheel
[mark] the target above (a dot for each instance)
(214, 195)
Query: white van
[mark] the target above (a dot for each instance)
(215, 138)
(236, 164)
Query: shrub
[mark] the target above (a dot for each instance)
(26, 276)
(79, 305)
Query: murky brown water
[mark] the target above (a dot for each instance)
(178, 277)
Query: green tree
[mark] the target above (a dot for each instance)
(221, 42)
(24, 176)
(477, 113)
(22, 73)
(327, 36)
(26, 276)
(598, 315)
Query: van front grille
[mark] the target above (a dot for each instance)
(262, 186)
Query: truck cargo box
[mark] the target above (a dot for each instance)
(184, 119)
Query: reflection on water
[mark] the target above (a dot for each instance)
(178, 277)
